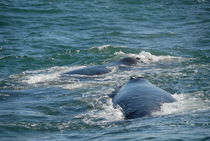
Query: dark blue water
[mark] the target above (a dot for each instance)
(40, 40)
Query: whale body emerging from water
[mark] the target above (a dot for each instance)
(106, 68)
(138, 98)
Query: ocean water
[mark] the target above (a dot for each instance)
(40, 40)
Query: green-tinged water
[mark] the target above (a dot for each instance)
(41, 40)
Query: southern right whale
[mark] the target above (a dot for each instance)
(138, 98)
(106, 68)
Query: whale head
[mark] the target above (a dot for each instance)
(128, 61)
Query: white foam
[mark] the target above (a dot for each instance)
(46, 75)
(53, 74)
(56, 76)
(106, 113)
(75, 85)
(147, 57)
(40, 78)
(185, 103)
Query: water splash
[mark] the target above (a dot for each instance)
(103, 113)
(185, 103)
(147, 57)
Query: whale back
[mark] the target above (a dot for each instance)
(138, 98)
(92, 70)
(103, 69)
(128, 61)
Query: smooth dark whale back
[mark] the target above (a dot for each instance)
(128, 61)
(138, 98)
(93, 70)
(103, 69)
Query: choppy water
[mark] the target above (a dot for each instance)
(40, 40)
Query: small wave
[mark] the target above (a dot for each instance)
(107, 46)
(147, 57)
(201, 1)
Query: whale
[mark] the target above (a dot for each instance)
(106, 68)
(138, 98)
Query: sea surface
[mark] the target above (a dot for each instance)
(40, 40)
